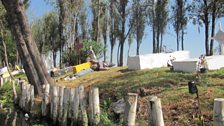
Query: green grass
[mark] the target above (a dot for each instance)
(179, 107)
(172, 87)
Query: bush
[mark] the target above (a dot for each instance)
(71, 59)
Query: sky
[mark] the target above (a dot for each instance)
(193, 41)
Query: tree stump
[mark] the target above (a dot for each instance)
(155, 112)
(130, 109)
(94, 105)
(71, 100)
(84, 118)
(218, 112)
(27, 104)
(55, 99)
(75, 108)
(32, 96)
(60, 108)
(45, 100)
(14, 92)
(65, 106)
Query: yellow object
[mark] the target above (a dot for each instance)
(82, 66)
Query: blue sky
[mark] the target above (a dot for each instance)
(194, 41)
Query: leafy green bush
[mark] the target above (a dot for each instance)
(6, 94)
(71, 59)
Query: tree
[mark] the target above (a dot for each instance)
(216, 12)
(96, 10)
(113, 26)
(32, 63)
(150, 8)
(161, 19)
(179, 20)
(105, 23)
(202, 12)
(45, 34)
(138, 20)
(122, 7)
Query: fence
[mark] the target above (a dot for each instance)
(67, 105)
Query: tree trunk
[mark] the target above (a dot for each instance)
(161, 42)
(138, 46)
(157, 41)
(98, 23)
(33, 65)
(111, 54)
(154, 40)
(118, 52)
(61, 27)
(178, 42)
(213, 29)
(206, 23)
(105, 46)
(182, 39)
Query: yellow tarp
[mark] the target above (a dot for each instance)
(82, 66)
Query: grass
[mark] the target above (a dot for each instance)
(179, 107)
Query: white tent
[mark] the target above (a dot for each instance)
(191, 65)
(155, 60)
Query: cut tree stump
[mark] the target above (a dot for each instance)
(82, 101)
(218, 112)
(130, 109)
(94, 105)
(75, 108)
(45, 100)
(65, 106)
(60, 108)
(55, 104)
(155, 112)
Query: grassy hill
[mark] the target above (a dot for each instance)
(179, 107)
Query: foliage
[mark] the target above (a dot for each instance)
(6, 94)
(45, 33)
(138, 20)
(179, 19)
(71, 58)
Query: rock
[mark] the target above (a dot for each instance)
(119, 106)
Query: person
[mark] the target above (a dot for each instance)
(170, 61)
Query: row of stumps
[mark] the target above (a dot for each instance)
(69, 106)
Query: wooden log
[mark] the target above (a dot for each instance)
(22, 84)
(155, 112)
(23, 96)
(27, 104)
(75, 108)
(71, 100)
(55, 102)
(45, 100)
(218, 112)
(60, 108)
(130, 109)
(14, 92)
(82, 101)
(65, 106)
(94, 104)
(32, 96)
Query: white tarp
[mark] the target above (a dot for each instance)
(191, 65)
(155, 60)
